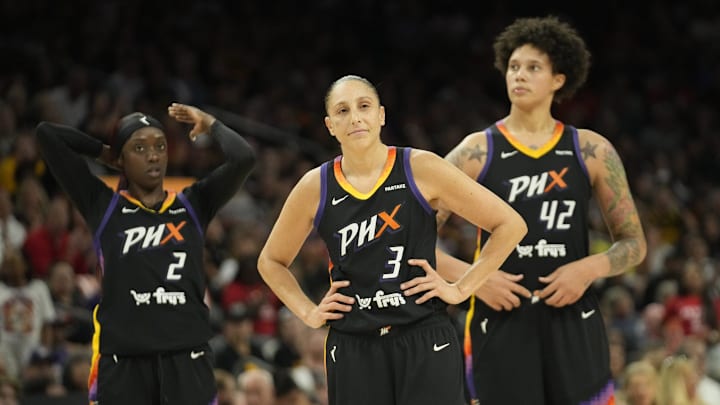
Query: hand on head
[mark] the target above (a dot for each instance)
(201, 120)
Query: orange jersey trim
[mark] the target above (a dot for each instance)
(165, 205)
(345, 184)
(533, 153)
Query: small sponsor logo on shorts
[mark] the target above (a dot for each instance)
(332, 353)
(437, 348)
(483, 325)
(588, 314)
(385, 330)
(196, 355)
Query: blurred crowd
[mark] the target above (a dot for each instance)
(652, 90)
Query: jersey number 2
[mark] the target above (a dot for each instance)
(177, 265)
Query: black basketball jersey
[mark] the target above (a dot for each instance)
(153, 280)
(153, 260)
(550, 188)
(370, 237)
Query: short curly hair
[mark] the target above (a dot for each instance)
(566, 50)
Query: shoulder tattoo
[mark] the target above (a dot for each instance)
(467, 153)
(588, 151)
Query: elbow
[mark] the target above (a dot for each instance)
(264, 266)
(42, 128)
(521, 227)
(247, 160)
(250, 158)
(641, 248)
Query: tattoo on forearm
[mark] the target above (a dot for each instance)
(616, 179)
(623, 254)
(623, 220)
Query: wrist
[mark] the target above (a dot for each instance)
(209, 121)
(462, 292)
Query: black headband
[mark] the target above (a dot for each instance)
(129, 124)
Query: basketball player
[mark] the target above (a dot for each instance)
(151, 326)
(536, 335)
(374, 206)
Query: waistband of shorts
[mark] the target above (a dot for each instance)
(432, 320)
(160, 354)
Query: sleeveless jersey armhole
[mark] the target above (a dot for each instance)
(411, 181)
(488, 159)
(101, 227)
(323, 194)
(183, 199)
(578, 154)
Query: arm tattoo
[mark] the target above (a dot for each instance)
(615, 179)
(475, 153)
(588, 150)
(458, 157)
(622, 217)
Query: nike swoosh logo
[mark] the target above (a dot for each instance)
(336, 201)
(483, 325)
(438, 348)
(126, 210)
(588, 314)
(332, 353)
(195, 355)
(505, 155)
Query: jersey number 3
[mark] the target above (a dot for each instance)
(393, 264)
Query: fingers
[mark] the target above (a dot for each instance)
(502, 302)
(428, 295)
(336, 285)
(422, 263)
(414, 282)
(182, 112)
(416, 286)
(420, 284)
(519, 289)
(335, 305)
(335, 301)
(511, 277)
(556, 300)
(195, 132)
